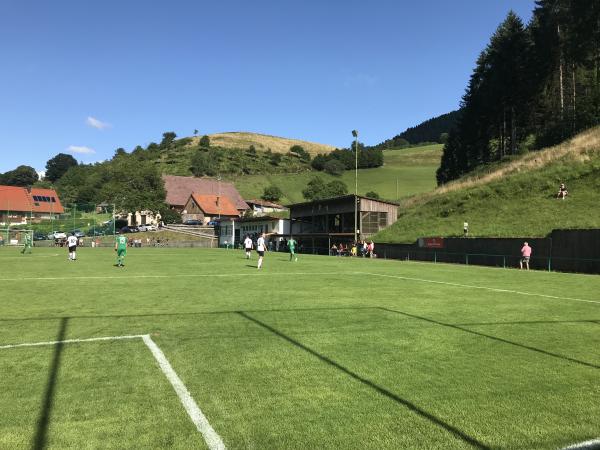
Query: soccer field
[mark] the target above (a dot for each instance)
(202, 350)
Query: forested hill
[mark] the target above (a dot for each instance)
(432, 130)
(532, 86)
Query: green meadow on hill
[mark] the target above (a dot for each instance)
(405, 172)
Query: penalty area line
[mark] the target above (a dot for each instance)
(212, 439)
(72, 341)
(486, 288)
(592, 444)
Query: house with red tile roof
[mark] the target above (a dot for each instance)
(206, 208)
(18, 205)
(179, 189)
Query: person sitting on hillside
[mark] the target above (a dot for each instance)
(562, 191)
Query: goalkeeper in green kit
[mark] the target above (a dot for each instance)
(121, 249)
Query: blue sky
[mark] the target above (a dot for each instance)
(88, 77)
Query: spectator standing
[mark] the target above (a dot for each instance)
(371, 249)
(466, 229)
(525, 255)
(562, 191)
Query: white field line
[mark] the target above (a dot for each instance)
(470, 286)
(190, 275)
(587, 445)
(212, 439)
(71, 341)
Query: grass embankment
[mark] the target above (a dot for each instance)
(513, 198)
(326, 352)
(412, 170)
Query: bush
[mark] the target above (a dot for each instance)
(334, 167)
(317, 189)
(272, 194)
(205, 141)
(318, 162)
(299, 150)
(170, 216)
(372, 194)
(275, 158)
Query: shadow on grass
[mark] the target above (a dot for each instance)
(495, 338)
(46, 409)
(526, 322)
(381, 390)
(341, 308)
(190, 313)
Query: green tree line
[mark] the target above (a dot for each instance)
(533, 86)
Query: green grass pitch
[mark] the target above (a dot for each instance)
(326, 352)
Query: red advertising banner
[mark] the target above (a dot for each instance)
(437, 242)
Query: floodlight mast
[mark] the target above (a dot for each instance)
(355, 134)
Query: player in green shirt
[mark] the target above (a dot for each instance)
(292, 247)
(121, 249)
(27, 244)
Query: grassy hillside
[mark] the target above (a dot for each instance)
(413, 169)
(513, 198)
(263, 142)
(177, 160)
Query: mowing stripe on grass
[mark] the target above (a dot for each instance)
(593, 444)
(189, 275)
(212, 439)
(71, 341)
(470, 286)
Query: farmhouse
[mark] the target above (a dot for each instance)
(179, 189)
(207, 208)
(19, 205)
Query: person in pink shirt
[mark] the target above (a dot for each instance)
(525, 255)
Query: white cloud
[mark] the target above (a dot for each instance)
(81, 149)
(96, 123)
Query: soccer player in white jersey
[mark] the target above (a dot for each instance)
(248, 246)
(72, 244)
(260, 249)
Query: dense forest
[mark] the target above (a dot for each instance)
(432, 130)
(533, 86)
